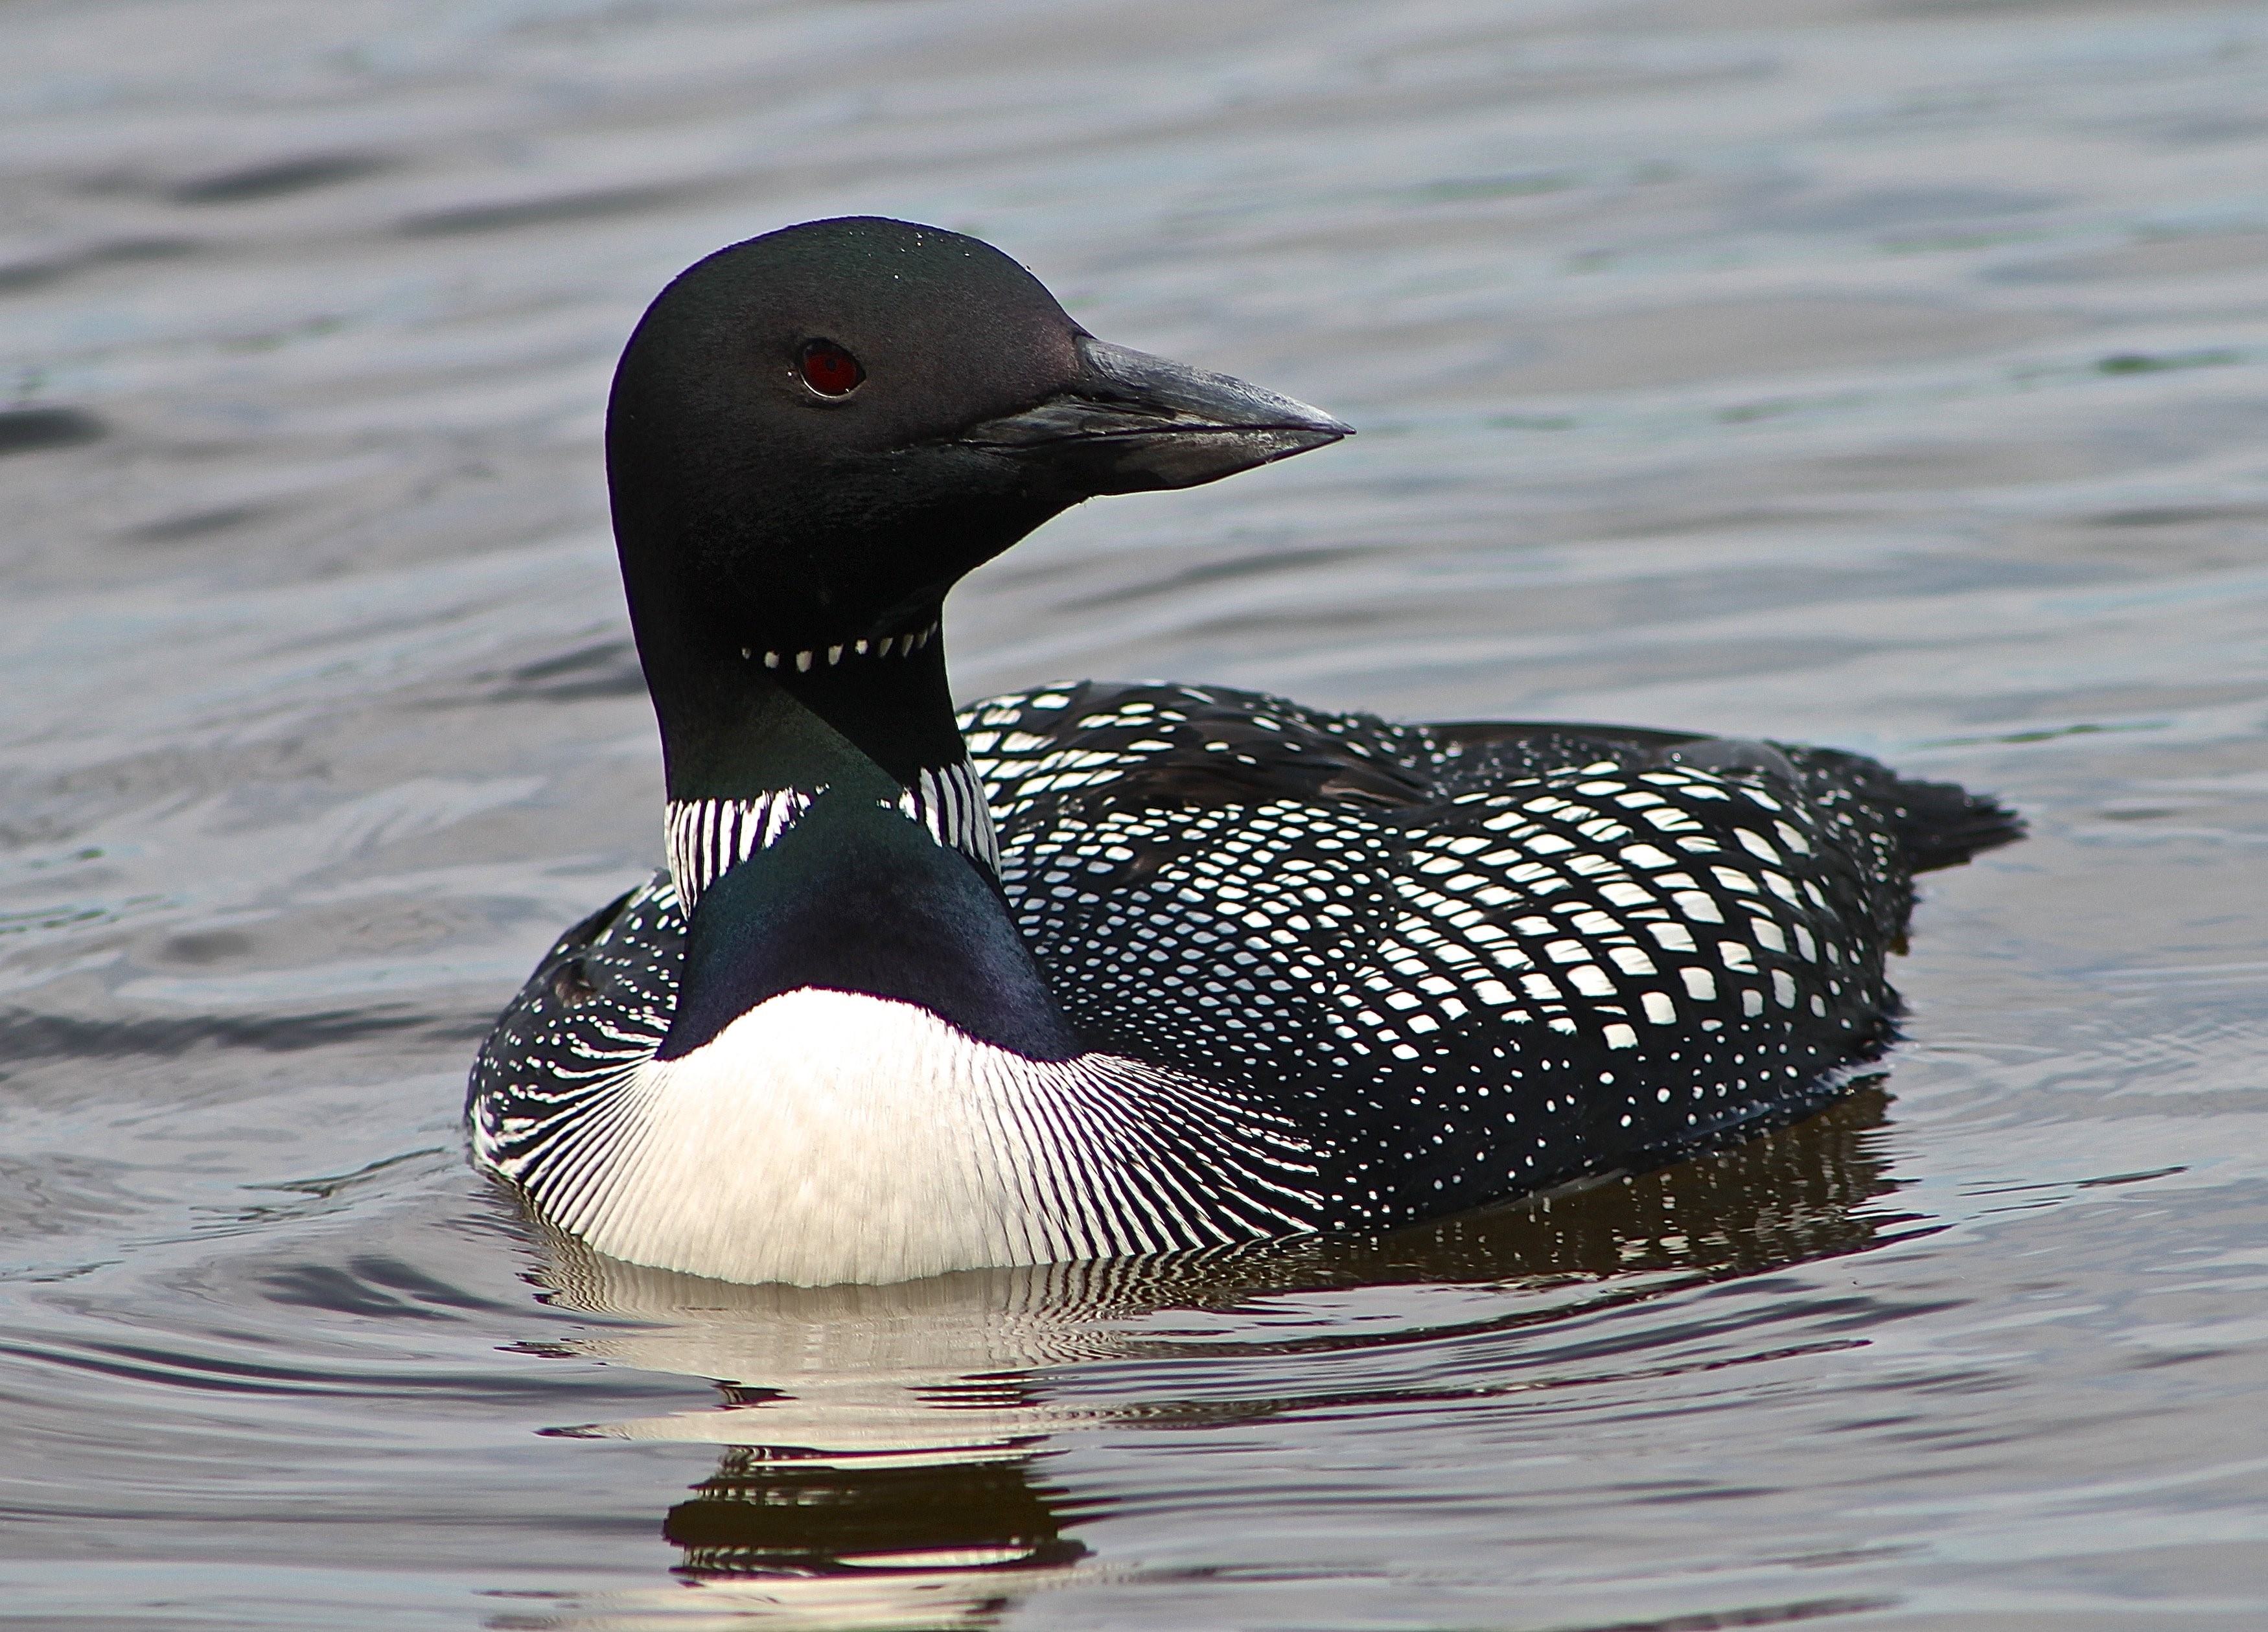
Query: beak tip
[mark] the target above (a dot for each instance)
(1319, 430)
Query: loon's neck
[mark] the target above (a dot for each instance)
(827, 831)
(750, 719)
(752, 734)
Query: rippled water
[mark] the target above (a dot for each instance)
(1888, 375)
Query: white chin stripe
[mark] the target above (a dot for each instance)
(831, 657)
(706, 836)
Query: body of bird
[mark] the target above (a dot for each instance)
(1108, 969)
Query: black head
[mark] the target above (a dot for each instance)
(814, 433)
(817, 431)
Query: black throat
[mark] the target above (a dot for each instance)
(856, 898)
(740, 718)
(752, 745)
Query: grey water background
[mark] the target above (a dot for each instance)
(1892, 375)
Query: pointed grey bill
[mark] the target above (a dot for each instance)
(1135, 422)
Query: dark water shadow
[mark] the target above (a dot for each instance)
(32, 429)
(279, 178)
(886, 1450)
(27, 1035)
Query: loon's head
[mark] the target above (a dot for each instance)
(813, 434)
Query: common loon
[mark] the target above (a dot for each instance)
(1099, 969)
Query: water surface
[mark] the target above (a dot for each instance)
(1888, 375)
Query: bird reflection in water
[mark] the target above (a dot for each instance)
(888, 1449)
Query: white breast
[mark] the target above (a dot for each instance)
(828, 1136)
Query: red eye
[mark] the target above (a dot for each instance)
(828, 369)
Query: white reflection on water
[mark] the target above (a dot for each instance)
(892, 1453)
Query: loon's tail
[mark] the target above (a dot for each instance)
(1943, 825)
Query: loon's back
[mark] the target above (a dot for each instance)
(1470, 960)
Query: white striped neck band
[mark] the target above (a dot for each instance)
(831, 657)
(706, 836)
